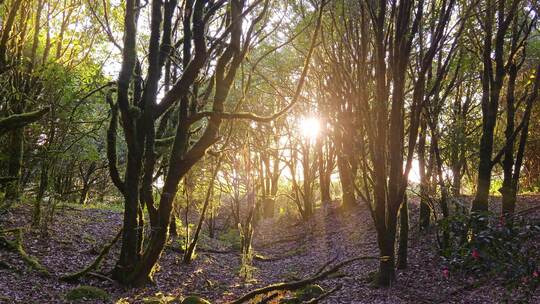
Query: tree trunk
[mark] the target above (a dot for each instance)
(307, 181)
(129, 255)
(346, 179)
(324, 172)
(511, 168)
(188, 254)
(172, 226)
(43, 184)
(492, 79)
(324, 181)
(425, 210)
(269, 206)
(403, 234)
(508, 192)
(83, 198)
(15, 153)
(480, 202)
(387, 274)
(6, 30)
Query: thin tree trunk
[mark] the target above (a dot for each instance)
(425, 210)
(15, 152)
(43, 184)
(188, 255)
(83, 198)
(346, 179)
(403, 234)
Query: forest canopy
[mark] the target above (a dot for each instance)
(146, 142)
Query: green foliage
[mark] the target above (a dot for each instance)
(83, 293)
(112, 206)
(498, 250)
(496, 184)
(232, 238)
(303, 295)
(309, 292)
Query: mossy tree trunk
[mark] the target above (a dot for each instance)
(15, 154)
(140, 109)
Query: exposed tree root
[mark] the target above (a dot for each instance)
(88, 270)
(261, 258)
(17, 245)
(294, 285)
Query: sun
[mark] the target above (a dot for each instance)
(310, 127)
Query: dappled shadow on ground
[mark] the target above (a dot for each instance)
(288, 249)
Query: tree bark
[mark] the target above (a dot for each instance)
(347, 182)
(425, 210)
(403, 234)
(492, 79)
(15, 152)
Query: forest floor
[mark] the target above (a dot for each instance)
(293, 249)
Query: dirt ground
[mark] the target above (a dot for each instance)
(291, 249)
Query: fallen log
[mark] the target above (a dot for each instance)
(294, 285)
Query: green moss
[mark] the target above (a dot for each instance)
(83, 293)
(303, 295)
(195, 300)
(309, 292)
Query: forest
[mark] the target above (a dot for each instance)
(263, 151)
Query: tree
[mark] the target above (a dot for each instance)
(495, 21)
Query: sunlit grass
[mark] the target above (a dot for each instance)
(112, 206)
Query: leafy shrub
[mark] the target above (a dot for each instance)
(497, 250)
(231, 237)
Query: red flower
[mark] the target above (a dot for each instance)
(446, 273)
(535, 274)
(475, 254)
